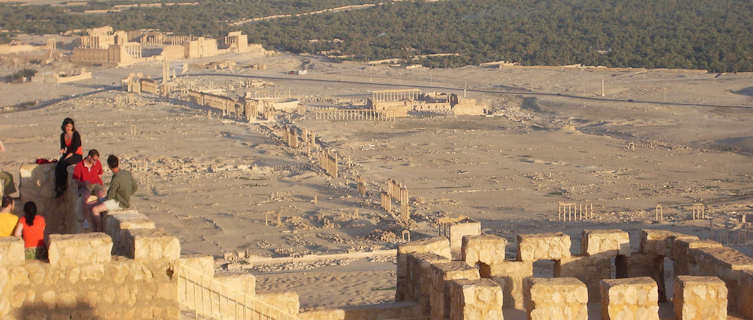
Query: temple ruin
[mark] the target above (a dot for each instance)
(103, 46)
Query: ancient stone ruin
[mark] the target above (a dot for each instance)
(134, 270)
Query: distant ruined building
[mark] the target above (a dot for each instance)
(103, 46)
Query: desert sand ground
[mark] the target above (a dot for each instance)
(685, 137)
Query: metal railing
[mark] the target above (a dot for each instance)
(209, 298)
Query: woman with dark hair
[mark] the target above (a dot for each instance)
(70, 148)
(31, 228)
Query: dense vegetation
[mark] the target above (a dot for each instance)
(699, 34)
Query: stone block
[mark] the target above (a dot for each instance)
(543, 246)
(115, 223)
(475, 299)
(67, 250)
(556, 298)
(236, 286)
(589, 269)
(439, 246)
(241, 283)
(657, 242)
(700, 298)
(487, 249)
(743, 296)
(713, 260)
(511, 276)
(382, 311)
(196, 263)
(460, 230)
(287, 302)
(630, 298)
(152, 245)
(11, 252)
(417, 287)
(37, 183)
(441, 272)
(731, 266)
(684, 261)
(611, 242)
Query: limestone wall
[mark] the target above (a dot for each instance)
(428, 276)
(83, 281)
(37, 183)
(700, 298)
(398, 310)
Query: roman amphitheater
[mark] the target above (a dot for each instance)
(278, 186)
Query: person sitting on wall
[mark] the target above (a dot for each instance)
(87, 173)
(122, 187)
(8, 220)
(70, 148)
(99, 196)
(6, 179)
(31, 228)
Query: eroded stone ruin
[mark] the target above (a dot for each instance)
(135, 270)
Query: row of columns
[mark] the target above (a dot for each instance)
(341, 114)
(395, 95)
(571, 211)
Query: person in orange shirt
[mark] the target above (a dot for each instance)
(31, 227)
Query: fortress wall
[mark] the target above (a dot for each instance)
(37, 183)
(83, 281)
(397, 310)
(433, 282)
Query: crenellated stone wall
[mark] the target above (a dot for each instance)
(628, 284)
(82, 280)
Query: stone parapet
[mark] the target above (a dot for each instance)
(152, 245)
(660, 242)
(397, 310)
(457, 232)
(543, 246)
(700, 298)
(590, 270)
(743, 296)
(731, 266)
(556, 298)
(439, 246)
(237, 287)
(475, 299)
(118, 289)
(287, 302)
(630, 298)
(11, 252)
(241, 283)
(684, 261)
(68, 250)
(610, 242)
(511, 276)
(717, 260)
(439, 298)
(202, 264)
(116, 223)
(486, 249)
(417, 286)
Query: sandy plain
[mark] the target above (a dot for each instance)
(656, 137)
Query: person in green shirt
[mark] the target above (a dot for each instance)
(122, 187)
(8, 220)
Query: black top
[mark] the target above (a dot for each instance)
(75, 143)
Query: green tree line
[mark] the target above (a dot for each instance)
(697, 34)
